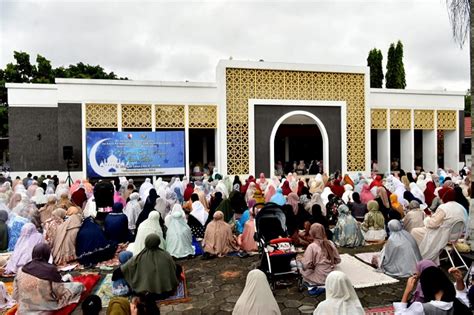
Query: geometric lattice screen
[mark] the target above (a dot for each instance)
(202, 116)
(244, 84)
(378, 118)
(136, 116)
(447, 119)
(400, 119)
(101, 115)
(424, 119)
(169, 116)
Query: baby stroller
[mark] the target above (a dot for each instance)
(276, 249)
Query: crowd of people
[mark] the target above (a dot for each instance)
(44, 223)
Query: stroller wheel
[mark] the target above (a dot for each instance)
(272, 285)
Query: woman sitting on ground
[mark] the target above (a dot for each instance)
(116, 225)
(358, 208)
(414, 217)
(64, 243)
(50, 227)
(246, 240)
(197, 218)
(149, 226)
(439, 295)
(396, 209)
(320, 257)
(3, 230)
(347, 232)
(38, 286)
(29, 238)
(152, 270)
(400, 253)
(218, 239)
(341, 298)
(179, 239)
(373, 226)
(92, 246)
(257, 297)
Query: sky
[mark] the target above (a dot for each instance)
(184, 40)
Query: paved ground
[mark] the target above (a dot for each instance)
(215, 285)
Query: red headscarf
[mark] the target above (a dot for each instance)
(337, 189)
(286, 188)
(188, 191)
(376, 182)
(300, 187)
(449, 195)
(429, 192)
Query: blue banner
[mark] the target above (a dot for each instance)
(135, 153)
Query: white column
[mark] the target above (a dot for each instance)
(186, 139)
(430, 150)
(287, 149)
(119, 117)
(451, 149)
(153, 129)
(383, 150)
(407, 150)
(204, 150)
(84, 140)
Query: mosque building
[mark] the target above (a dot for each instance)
(253, 115)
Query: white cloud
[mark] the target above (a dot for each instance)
(184, 40)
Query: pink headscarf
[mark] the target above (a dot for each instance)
(270, 192)
(365, 194)
(293, 201)
(29, 237)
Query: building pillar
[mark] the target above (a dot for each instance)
(451, 149)
(383, 150)
(430, 150)
(287, 149)
(407, 150)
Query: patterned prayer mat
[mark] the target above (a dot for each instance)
(385, 310)
(181, 295)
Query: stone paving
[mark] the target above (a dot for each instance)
(215, 285)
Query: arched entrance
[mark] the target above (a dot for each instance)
(299, 135)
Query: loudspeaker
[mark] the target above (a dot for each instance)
(67, 152)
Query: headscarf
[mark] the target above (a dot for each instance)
(92, 246)
(408, 196)
(347, 232)
(270, 192)
(429, 192)
(29, 237)
(145, 189)
(394, 201)
(406, 182)
(79, 197)
(448, 195)
(285, 188)
(179, 237)
(188, 191)
(199, 212)
(132, 210)
(400, 252)
(374, 217)
(319, 235)
(152, 269)
(341, 297)
(365, 194)
(278, 198)
(293, 201)
(416, 191)
(150, 226)
(420, 267)
(257, 297)
(218, 238)
(226, 208)
(460, 198)
(215, 202)
(149, 206)
(39, 266)
(337, 189)
(64, 243)
(377, 182)
(315, 199)
(118, 306)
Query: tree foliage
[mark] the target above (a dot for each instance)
(374, 61)
(395, 75)
(458, 12)
(22, 71)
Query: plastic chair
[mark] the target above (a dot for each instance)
(455, 234)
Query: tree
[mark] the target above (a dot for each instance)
(374, 61)
(395, 76)
(22, 71)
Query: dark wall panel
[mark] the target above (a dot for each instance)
(33, 137)
(267, 115)
(69, 133)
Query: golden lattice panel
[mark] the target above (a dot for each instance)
(400, 119)
(424, 119)
(169, 116)
(378, 118)
(243, 84)
(447, 119)
(101, 115)
(202, 116)
(136, 116)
